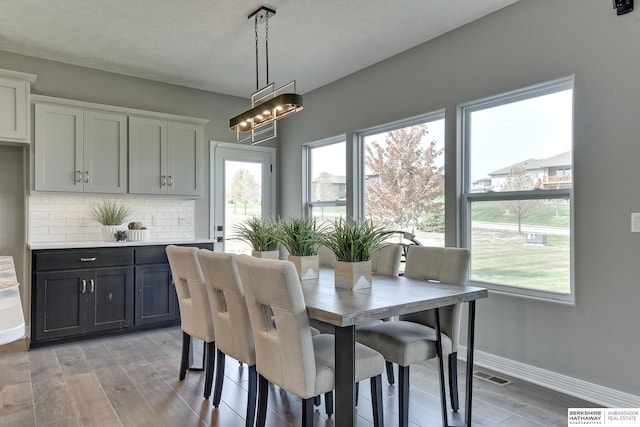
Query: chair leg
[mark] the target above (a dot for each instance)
(184, 361)
(210, 349)
(453, 381)
(307, 412)
(403, 401)
(328, 403)
(376, 400)
(357, 392)
(217, 391)
(263, 397)
(251, 398)
(389, 367)
(316, 400)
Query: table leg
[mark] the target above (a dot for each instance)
(443, 393)
(345, 376)
(469, 379)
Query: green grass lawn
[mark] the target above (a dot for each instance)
(503, 257)
(552, 213)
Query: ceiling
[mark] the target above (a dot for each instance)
(210, 45)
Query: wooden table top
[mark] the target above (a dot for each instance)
(388, 296)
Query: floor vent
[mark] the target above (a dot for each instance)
(491, 378)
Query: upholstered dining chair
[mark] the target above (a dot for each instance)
(196, 320)
(386, 260)
(287, 355)
(326, 257)
(231, 323)
(412, 339)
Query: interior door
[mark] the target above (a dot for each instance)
(243, 186)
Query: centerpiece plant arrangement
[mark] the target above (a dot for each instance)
(301, 237)
(137, 231)
(354, 243)
(111, 214)
(261, 234)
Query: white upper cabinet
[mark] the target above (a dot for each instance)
(165, 157)
(80, 151)
(15, 91)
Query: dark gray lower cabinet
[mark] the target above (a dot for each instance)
(77, 302)
(156, 299)
(88, 293)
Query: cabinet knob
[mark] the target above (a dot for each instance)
(84, 286)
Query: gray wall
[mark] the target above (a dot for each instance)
(527, 43)
(12, 205)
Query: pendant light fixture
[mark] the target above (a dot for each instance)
(267, 104)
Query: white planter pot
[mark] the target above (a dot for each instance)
(108, 232)
(137, 235)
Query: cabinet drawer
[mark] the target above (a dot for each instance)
(87, 258)
(158, 254)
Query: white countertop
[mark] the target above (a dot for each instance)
(11, 315)
(100, 244)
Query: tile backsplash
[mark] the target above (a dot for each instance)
(65, 218)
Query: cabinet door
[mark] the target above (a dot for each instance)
(156, 299)
(110, 302)
(58, 148)
(59, 307)
(105, 152)
(184, 159)
(13, 110)
(147, 156)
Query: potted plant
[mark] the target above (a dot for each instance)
(261, 234)
(137, 231)
(354, 242)
(301, 237)
(111, 214)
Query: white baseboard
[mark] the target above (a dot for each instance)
(590, 392)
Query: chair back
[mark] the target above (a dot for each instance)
(386, 260)
(446, 265)
(195, 313)
(284, 347)
(326, 257)
(228, 306)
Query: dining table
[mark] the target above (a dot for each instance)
(388, 296)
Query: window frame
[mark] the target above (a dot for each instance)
(361, 151)
(468, 197)
(307, 149)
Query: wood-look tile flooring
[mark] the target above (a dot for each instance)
(132, 380)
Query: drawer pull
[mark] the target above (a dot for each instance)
(92, 282)
(87, 259)
(84, 286)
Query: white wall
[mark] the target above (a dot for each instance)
(529, 42)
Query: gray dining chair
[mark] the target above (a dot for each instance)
(326, 257)
(287, 354)
(196, 320)
(386, 260)
(231, 323)
(412, 339)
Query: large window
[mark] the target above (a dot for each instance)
(518, 190)
(326, 189)
(403, 179)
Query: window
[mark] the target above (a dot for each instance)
(517, 190)
(403, 179)
(326, 189)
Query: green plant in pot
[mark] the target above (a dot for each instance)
(354, 243)
(111, 214)
(261, 234)
(136, 231)
(301, 237)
